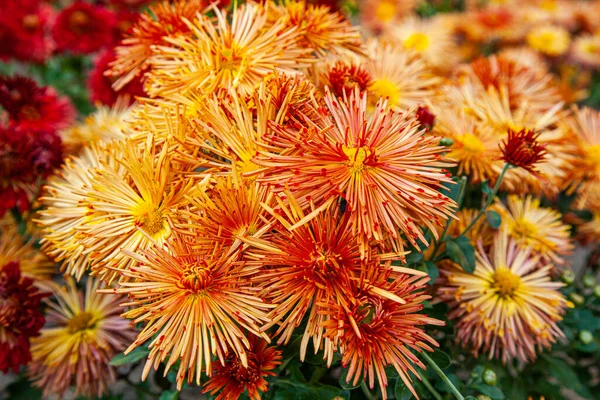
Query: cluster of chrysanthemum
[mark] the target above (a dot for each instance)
(275, 175)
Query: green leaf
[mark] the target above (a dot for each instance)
(348, 385)
(491, 391)
(137, 354)
(441, 359)
(493, 219)
(22, 389)
(485, 188)
(401, 391)
(432, 270)
(288, 390)
(413, 257)
(461, 251)
(169, 395)
(566, 375)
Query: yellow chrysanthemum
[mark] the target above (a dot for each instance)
(83, 333)
(537, 228)
(381, 15)
(586, 50)
(220, 54)
(550, 40)
(400, 75)
(508, 307)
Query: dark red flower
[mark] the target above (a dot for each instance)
(343, 78)
(20, 317)
(83, 28)
(31, 107)
(521, 149)
(100, 85)
(233, 378)
(426, 118)
(25, 30)
(125, 19)
(131, 4)
(13, 197)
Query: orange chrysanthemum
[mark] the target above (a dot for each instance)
(508, 307)
(233, 378)
(194, 302)
(386, 169)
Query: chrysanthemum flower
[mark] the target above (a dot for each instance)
(164, 19)
(522, 83)
(377, 331)
(24, 30)
(431, 38)
(549, 40)
(233, 378)
(523, 149)
(31, 107)
(381, 15)
(386, 169)
(83, 333)
(499, 22)
(64, 209)
(101, 126)
(133, 206)
(586, 50)
(319, 28)
(195, 303)
(400, 75)
(343, 76)
(537, 228)
(100, 85)
(525, 56)
(475, 144)
(83, 28)
(14, 248)
(508, 307)
(220, 54)
(584, 171)
(21, 316)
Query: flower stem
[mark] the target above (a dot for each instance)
(461, 193)
(439, 371)
(429, 387)
(367, 392)
(489, 200)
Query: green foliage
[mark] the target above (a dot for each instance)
(461, 251)
(137, 354)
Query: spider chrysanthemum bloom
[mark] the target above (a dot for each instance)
(21, 316)
(319, 28)
(222, 54)
(15, 248)
(388, 171)
(165, 19)
(522, 149)
(583, 173)
(132, 205)
(549, 40)
(232, 379)
(64, 209)
(195, 303)
(83, 333)
(508, 307)
(344, 76)
(400, 75)
(537, 228)
(378, 331)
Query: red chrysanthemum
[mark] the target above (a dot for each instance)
(11, 197)
(83, 28)
(131, 4)
(425, 117)
(342, 78)
(31, 107)
(124, 22)
(24, 30)
(100, 85)
(20, 317)
(521, 149)
(233, 378)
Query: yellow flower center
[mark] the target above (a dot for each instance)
(552, 42)
(196, 278)
(548, 5)
(591, 48)
(152, 222)
(81, 322)
(506, 282)
(386, 88)
(417, 41)
(356, 157)
(523, 229)
(385, 11)
(471, 143)
(593, 154)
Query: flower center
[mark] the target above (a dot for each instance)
(30, 113)
(356, 157)
(78, 21)
(417, 41)
(506, 282)
(81, 322)
(152, 222)
(385, 11)
(524, 229)
(593, 154)
(196, 277)
(30, 22)
(471, 143)
(386, 89)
